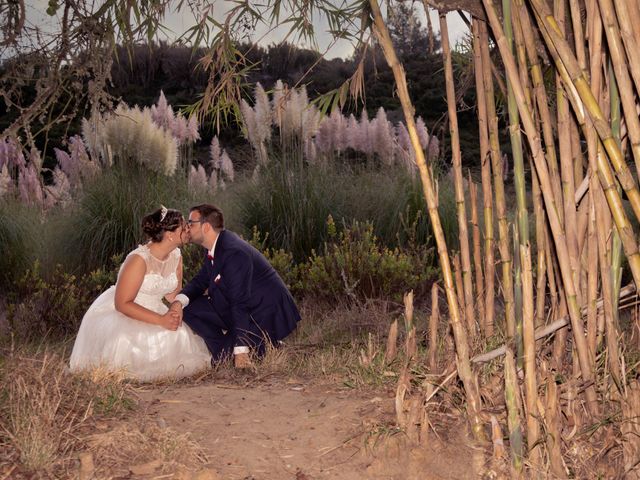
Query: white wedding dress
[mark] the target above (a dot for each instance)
(110, 339)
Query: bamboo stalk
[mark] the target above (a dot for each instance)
(541, 265)
(498, 182)
(604, 259)
(410, 346)
(477, 253)
(497, 439)
(566, 164)
(620, 66)
(528, 335)
(551, 269)
(616, 247)
(578, 158)
(546, 330)
(514, 133)
(592, 274)
(462, 348)
(513, 412)
(463, 235)
(392, 343)
(542, 101)
(578, 34)
(434, 319)
(631, 45)
(556, 227)
(457, 275)
(517, 297)
(553, 427)
(634, 15)
(522, 216)
(585, 99)
(487, 194)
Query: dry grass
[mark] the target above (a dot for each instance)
(47, 416)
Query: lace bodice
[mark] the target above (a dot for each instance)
(160, 277)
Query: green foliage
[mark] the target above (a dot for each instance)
(19, 240)
(54, 306)
(355, 265)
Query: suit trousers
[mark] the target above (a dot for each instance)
(220, 336)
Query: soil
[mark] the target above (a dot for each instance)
(286, 428)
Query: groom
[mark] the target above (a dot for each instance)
(237, 300)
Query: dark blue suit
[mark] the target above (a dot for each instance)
(246, 301)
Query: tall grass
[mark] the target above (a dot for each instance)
(20, 235)
(291, 200)
(106, 219)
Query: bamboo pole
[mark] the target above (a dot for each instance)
(556, 227)
(463, 235)
(634, 15)
(462, 347)
(487, 194)
(632, 47)
(578, 34)
(620, 66)
(616, 247)
(457, 276)
(477, 254)
(518, 162)
(528, 334)
(566, 62)
(553, 327)
(517, 296)
(553, 426)
(613, 357)
(511, 392)
(566, 164)
(498, 182)
(542, 101)
(541, 265)
(434, 320)
(592, 274)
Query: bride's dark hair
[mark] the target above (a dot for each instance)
(162, 220)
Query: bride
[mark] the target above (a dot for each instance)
(128, 327)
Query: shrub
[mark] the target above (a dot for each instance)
(354, 264)
(39, 307)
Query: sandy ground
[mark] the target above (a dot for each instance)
(292, 429)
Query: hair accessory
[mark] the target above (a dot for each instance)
(163, 212)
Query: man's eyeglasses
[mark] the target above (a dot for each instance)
(191, 222)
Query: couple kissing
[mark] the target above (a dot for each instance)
(234, 307)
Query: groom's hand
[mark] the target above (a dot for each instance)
(176, 307)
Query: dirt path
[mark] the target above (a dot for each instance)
(289, 429)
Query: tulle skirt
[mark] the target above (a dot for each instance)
(108, 339)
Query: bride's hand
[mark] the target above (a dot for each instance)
(170, 320)
(176, 307)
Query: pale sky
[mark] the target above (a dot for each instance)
(179, 22)
(457, 28)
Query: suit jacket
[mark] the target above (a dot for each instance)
(245, 290)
